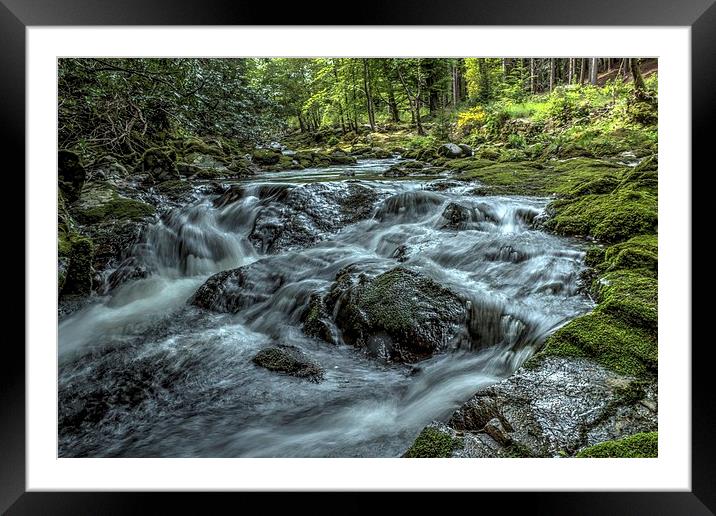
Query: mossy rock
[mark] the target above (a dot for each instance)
(78, 278)
(609, 340)
(266, 156)
(71, 174)
(160, 163)
(117, 208)
(639, 252)
(642, 445)
(612, 217)
(174, 189)
(289, 360)
(488, 153)
(432, 443)
(631, 297)
(191, 146)
(400, 314)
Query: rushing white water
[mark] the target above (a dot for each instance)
(142, 373)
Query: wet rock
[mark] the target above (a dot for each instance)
(71, 174)
(289, 360)
(293, 217)
(237, 289)
(399, 315)
(458, 217)
(401, 253)
(408, 204)
(554, 408)
(317, 321)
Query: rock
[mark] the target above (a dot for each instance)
(450, 150)
(292, 217)
(458, 217)
(236, 289)
(557, 406)
(379, 153)
(266, 156)
(317, 321)
(78, 278)
(408, 205)
(466, 150)
(160, 163)
(395, 171)
(399, 315)
(109, 169)
(289, 360)
(71, 174)
(100, 202)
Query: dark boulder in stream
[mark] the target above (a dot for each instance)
(399, 315)
(289, 360)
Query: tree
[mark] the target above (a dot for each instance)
(593, 71)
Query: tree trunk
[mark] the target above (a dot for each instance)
(533, 76)
(392, 103)
(593, 71)
(570, 70)
(582, 71)
(551, 74)
(368, 95)
(639, 86)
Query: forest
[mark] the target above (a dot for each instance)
(358, 257)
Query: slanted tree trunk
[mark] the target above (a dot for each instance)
(639, 85)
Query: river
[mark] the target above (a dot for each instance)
(142, 373)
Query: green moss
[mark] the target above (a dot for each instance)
(199, 146)
(431, 443)
(609, 340)
(631, 297)
(174, 188)
(289, 360)
(640, 252)
(159, 158)
(638, 445)
(610, 217)
(78, 279)
(266, 156)
(517, 450)
(117, 208)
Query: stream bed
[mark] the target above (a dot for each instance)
(145, 373)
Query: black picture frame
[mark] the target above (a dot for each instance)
(16, 15)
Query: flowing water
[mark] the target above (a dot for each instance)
(143, 373)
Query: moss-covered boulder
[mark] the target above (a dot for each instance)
(78, 276)
(266, 156)
(399, 315)
(71, 174)
(641, 445)
(160, 163)
(101, 202)
(431, 443)
(289, 360)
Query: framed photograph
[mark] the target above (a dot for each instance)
(425, 252)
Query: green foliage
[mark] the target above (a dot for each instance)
(638, 445)
(431, 443)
